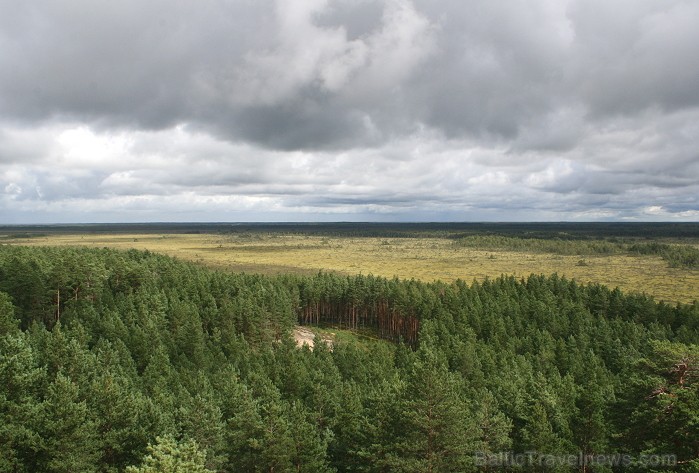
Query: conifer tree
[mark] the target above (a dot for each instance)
(595, 393)
(274, 442)
(243, 429)
(436, 432)
(200, 419)
(69, 436)
(124, 420)
(309, 445)
(170, 456)
(493, 427)
(8, 322)
(662, 403)
(20, 381)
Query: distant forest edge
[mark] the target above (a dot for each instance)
(539, 230)
(128, 361)
(677, 255)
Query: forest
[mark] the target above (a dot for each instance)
(131, 361)
(539, 230)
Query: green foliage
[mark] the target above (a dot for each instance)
(170, 456)
(125, 419)
(554, 244)
(20, 384)
(251, 231)
(434, 430)
(493, 427)
(173, 367)
(8, 321)
(678, 256)
(69, 435)
(662, 403)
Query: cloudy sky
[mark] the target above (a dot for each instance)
(327, 110)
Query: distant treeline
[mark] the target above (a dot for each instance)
(544, 230)
(677, 255)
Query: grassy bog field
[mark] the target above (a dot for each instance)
(425, 258)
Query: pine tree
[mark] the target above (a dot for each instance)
(124, 419)
(20, 381)
(170, 456)
(8, 322)
(493, 426)
(595, 393)
(436, 432)
(275, 443)
(200, 418)
(352, 430)
(662, 403)
(540, 439)
(244, 426)
(70, 441)
(310, 446)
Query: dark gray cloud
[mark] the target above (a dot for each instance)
(577, 109)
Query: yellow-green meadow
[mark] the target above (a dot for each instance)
(422, 258)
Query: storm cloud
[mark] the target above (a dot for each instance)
(349, 109)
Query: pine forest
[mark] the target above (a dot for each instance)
(130, 361)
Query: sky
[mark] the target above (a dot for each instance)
(349, 110)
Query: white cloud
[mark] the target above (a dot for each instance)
(305, 54)
(406, 109)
